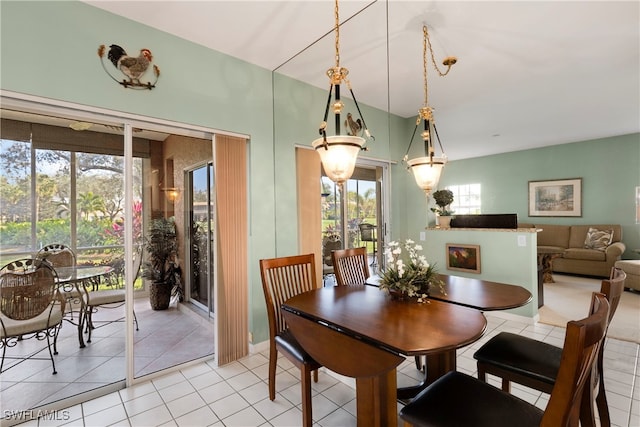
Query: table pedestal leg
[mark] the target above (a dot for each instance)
(379, 391)
(546, 260)
(436, 366)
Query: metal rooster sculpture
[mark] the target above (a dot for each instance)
(131, 66)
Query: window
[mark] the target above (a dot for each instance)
(466, 199)
(58, 185)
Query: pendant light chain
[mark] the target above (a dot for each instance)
(337, 16)
(448, 61)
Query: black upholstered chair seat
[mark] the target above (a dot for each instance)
(460, 400)
(522, 355)
(288, 343)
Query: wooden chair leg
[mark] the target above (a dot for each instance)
(482, 373)
(307, 420)
(506, 385)
(587, 415)
(601, 398)
(315, 376)
(603, 407)
(273, 360)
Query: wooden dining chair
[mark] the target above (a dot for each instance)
(350, 266)
(535, 364)
(109, 298)
(283, 278)
(60, 255)
(457, 399)
(30, 305)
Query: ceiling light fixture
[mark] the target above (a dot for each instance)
(427, 169)
(339, 153)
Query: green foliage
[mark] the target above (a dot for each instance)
(162, 247)
(90, 233)
(410, 275)
(443, 199)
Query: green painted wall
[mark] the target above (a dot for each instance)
(609, 168)
(49, 49)
(502, 259)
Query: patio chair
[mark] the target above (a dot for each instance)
(536, 364)
(350, 266)
(109, 298)
(59, 255)
(329, 244)
(283, 278)
(458, 399)
(30, 306)
(368, 234)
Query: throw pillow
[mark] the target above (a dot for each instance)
(598, 239)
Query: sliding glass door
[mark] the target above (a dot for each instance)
(201, 231)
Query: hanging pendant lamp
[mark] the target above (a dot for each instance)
(428, 168)
(338, 153)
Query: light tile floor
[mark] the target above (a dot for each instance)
(236, 394)
(165, 338)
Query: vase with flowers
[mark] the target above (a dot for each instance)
(408, 274)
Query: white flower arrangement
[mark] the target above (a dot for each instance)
(410, 277)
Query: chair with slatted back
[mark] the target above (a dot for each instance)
(109, 298)
(535, 363)
(283, 278)
(457, 399)
(350, 266)
(59, 255)
(30, 305)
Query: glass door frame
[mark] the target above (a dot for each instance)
(42, 106)
(211, 246)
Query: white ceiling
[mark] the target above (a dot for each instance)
(529, 73)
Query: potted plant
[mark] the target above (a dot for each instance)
(410, 275)
(443, 199)
(161, 267)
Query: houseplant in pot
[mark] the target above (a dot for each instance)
(161, 267)
(443, 199)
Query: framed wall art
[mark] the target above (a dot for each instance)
(561, 197)
(463, 257)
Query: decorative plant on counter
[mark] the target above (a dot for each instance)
(443, 199)
(410, 277)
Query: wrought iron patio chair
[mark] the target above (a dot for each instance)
(109, 298)
(368, 234)
(59, 255)
(30, 306)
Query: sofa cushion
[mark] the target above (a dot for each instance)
(579, 233)
(584, 254)
(554, 235)
(598, 239)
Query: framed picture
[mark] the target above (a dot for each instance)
(561, 197)
(463, 257)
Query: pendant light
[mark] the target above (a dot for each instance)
(428, 168)
(338, 153)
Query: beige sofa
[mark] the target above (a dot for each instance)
(576, 259)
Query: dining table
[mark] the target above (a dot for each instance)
(76, 280)
(363, 333)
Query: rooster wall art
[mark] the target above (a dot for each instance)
(133, 67)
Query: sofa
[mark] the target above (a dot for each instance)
(581, 256)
